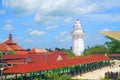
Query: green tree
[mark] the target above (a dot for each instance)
(69, 52)
(97, 49)
(36, 78)
(58, 49)
(28, 49)
(65, 77)
(118, 78)
(113, 45)
(11, 52)
(50, 50)
(55, 76)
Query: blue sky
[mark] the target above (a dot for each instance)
(49, 23)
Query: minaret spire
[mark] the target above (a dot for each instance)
(10, 36)
(78, 39)
(78, 19)
(77, 25)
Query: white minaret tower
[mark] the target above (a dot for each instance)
(78, 39)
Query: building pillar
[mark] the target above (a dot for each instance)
(21, 77)
(31, 76)
(87, 67)
(90, 66)
(80, 69)
(5, 77)
(74, 70)
(93, 66)
(83, 68)
(61, 71)
(68, 70)
(16, 76)
(40, 74)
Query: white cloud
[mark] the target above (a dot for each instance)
(67, 38)
(109, 4)
(22, 7)
(37, 33)
(68, 19)
(59, 7)
(8, 27)
(103, 17)
(51, 7)
(63, 37)
(106, 29)
(48, 11)
(37, 17)
(63, 33)
(2, 11)
(29, 41)
(67, 7)
(51, 27)
(9, 21)
(44, 9)
(29, 29)
(86, 9)
(45, 19)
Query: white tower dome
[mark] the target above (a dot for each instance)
(78, 39)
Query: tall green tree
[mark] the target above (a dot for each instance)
(97, 49)
(113, 45)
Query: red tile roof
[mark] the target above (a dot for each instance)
(38, 66)
(10, 42)
(16, 48)
(21, 52)
(42, 57)
(4, 47)
(38, 50)
(15, 61)
(113, 55)
(11, 45)
(15, 56)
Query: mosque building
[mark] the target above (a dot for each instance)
(28, 65)
(11, 45)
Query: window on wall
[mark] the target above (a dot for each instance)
(9, 64)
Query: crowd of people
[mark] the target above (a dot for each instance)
(112, 75)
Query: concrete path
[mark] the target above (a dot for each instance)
(98, 74)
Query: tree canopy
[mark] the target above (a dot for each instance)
(97, 49)
(54, 76)
(113, 45)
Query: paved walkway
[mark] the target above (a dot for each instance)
(98, 74)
